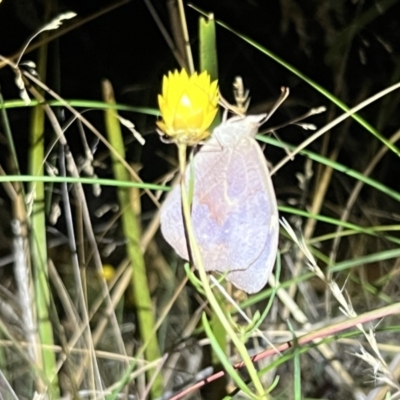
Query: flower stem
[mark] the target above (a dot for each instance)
(198, 262)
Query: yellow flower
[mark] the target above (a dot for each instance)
(188, 106)
(107, 272)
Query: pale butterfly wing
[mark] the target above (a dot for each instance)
(234, 208)
(171, 221)
(223, 213)
(254, 278)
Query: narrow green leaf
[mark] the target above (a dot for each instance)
(208, 54)
(132, 231)
(224, 360)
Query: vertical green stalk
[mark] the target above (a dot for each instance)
(208, 60)
(208, 47)
(38, 239)
(297, 374)
(198, 262)
(208, 55)
(131, 228)
(296, 366)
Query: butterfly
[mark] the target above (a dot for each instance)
(234, 209)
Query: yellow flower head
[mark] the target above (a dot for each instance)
(188, 106)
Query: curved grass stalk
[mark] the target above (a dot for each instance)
(131, 228)
(195, 251)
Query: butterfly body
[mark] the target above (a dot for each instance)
(234, 210)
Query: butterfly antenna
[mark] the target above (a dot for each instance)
(297, 120)
(284, 95)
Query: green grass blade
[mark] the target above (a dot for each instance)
(208, 47)
(218, 328)
(335, 165)
(38, 243)
(296, 366)
(131, 228)
(224, 360)
(83, 180)
(77, 103)
(208, 57)
(38, 240)
(208, 54)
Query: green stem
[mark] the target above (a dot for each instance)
(204, 278)
(131, 228)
